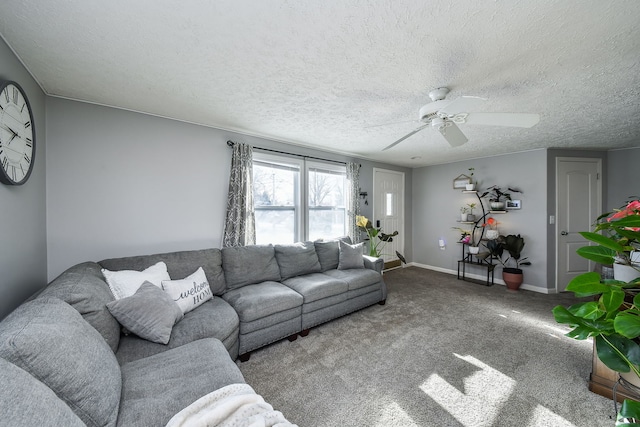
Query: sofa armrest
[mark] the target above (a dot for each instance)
(373, 263)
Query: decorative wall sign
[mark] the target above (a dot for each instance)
(460, 182)
(513, 204)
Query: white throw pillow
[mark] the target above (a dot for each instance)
(189, 292)
(125, 283)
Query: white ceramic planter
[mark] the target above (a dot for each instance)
(497, 206)
(625, 273)
(470, 187)
(493, 234)
(474, 249)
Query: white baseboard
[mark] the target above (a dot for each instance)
(496, 280)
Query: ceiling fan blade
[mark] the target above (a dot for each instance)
(519, 120)
(453, 134)
(463, 104)
(406, 136)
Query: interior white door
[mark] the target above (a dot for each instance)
(388, 210)
(579, 195)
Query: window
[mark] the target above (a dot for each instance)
(327, 214)
(298, 200)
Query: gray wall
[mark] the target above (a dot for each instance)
(122, 183)
(23, 253)
(436, 208)
(623, 176)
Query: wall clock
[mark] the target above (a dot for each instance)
(17, 135)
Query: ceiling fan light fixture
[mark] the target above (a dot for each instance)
(439, 124)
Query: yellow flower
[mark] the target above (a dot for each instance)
(361, 221)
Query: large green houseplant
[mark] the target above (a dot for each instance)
(612, 315)
(507, 250)
(377, 239)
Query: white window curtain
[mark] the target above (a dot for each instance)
(240, 227)
(353, 200)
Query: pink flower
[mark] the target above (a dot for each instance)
(633, 208)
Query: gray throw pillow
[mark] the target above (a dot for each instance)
(150, 313)
(297, 259)
(350, 256)
(328, 254)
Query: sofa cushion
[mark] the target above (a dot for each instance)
(316, 286)
(41, 402)
(356, 278)
(213, 319)
(246, 265)
(297, 259)
(350, 256)
(260, 300)
(150, 313)
(84, 288)
(179, 265)
(190, 292)
(156, 388)
(49, 339)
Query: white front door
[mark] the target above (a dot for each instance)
(579, 195)
(388, 211)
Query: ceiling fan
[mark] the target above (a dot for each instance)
(445, 116)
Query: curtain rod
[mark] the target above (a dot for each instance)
(231, 144)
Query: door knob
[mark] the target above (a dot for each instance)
(564, 233)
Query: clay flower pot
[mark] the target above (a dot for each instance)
(513, 278)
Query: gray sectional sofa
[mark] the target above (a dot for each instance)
(65, 360)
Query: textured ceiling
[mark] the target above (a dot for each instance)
(325, 74)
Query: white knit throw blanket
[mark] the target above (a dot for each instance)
(236, 405)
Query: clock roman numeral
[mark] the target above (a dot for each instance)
(27, 125)
(5, 162)
(15, 95)
(27, 158)
(6, 94)
(13, 172)
(28, 142)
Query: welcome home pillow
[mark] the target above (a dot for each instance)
(150, 313)
(189, 292)
(125, 283)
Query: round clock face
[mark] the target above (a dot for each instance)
(17, 135)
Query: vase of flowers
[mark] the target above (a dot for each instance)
(377, 239)
(492, 229)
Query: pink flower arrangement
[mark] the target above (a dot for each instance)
(620, 240)
(632, 208)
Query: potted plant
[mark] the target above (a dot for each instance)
(497, 197)
(471, 185)
(513, 244)
(613, 319)
(619, 243)
(470, 216)
(377, 239)
(465, 235)
(464, 210)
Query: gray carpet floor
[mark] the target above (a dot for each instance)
(441, 352)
